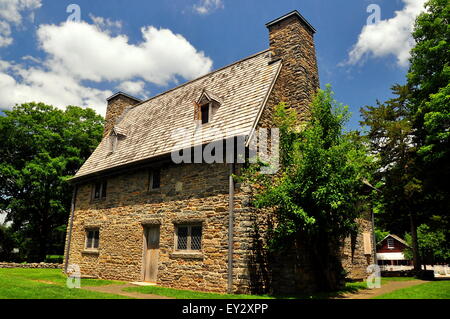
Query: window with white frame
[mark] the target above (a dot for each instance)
(92, 239)
(390, 243)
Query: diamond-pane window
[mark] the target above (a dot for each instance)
(182, 238)
(189, 237)
(196, 238)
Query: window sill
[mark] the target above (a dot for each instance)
(90, 252)
(97, 201)
(187, 255)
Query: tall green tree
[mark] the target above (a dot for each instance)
(391, 138)
(433, 245)
(429, 82)
(7, 244)
(316, 193)
(410, 133)
(40, 148)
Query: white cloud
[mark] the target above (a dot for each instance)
(133, 87)
(107, 25)
(79, 52)
(91, 54)
(11, 12)
(5, 34)
(207, 6)
(388, 37)
(20, 84)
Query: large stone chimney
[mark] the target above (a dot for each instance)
(116, 105)
(292, 40)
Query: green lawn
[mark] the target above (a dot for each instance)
(51, 284)
(190, 294)
(429, 290)
(46, 284)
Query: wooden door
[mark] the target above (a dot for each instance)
(151, 254)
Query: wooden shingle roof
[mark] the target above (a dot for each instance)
(242, 87)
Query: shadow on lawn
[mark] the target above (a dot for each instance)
(349, 289)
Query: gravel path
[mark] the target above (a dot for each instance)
(385, 288)
(362, 294)
(117, 290)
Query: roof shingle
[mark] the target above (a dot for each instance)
(242, 88)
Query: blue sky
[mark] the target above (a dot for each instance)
(41, 57)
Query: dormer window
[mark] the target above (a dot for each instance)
(207, 107)
(116, 135)
(112, 143)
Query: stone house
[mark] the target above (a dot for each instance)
(139, 216)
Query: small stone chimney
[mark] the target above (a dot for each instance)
(116, 105)
(292, 40)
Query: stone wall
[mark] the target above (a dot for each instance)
(354, 258)
(191, 192)
(257, 270)
(31, 265)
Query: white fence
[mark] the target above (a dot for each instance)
(439, 270)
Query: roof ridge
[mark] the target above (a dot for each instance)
(196, 79)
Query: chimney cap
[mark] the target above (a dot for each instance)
(124, 94)
(288, 15)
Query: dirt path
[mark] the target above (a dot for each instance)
(117, 290)
(385, 288)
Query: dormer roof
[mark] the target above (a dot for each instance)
(208, 96)
(117, 130)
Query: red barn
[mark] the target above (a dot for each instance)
(390, 252)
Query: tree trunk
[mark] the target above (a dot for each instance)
(415, 244)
